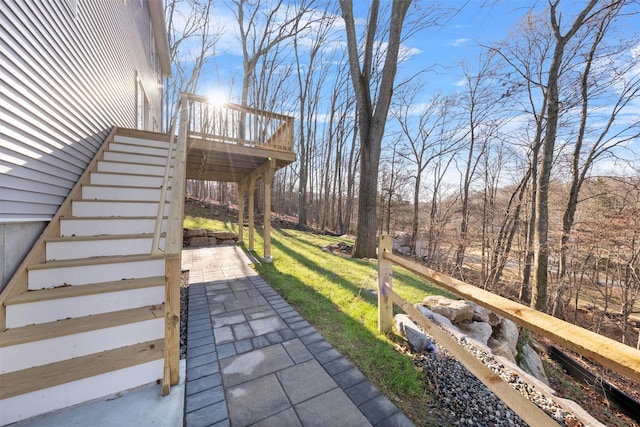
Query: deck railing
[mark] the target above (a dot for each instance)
(237, 124)
(620, 358)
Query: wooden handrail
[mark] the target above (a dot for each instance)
(172, 254)
(155, 244)
(238, 107)
(612, 354)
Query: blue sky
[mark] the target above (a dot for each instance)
(439, 48)
(455, 39)
(442, 47)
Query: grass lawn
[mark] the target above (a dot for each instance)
(336, 295)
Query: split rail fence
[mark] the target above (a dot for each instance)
(616, 356)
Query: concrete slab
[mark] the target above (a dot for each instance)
(141, 407)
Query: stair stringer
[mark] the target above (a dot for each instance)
(19, 281)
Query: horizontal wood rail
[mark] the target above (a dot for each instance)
(616, 356)
(236, 124)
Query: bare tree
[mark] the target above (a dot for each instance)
(262, 27)
(192, 40)
(372, 113)
(479, 104)
(552, 113)
(336, 135)
(312, 72)
(424, 139)
(605, 75)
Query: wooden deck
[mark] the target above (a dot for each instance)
(228, 143)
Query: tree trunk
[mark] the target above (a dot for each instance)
(541, 234)
(372, 118)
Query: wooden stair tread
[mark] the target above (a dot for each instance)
(101, 237)
(124, 187)
(133, 163)
(93, 261)
(41, 377)
(42, 331)
(123, 173)
(77, 291)
(119, 201)
(135, 153)
(109, 217)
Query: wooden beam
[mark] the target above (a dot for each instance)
(172, 253)
(268, 180)
(241, 150)
(242, 190)
(262, 169)
(252, 190)
(385, 281)
(172, 317)
(527, 410)
(614, 355)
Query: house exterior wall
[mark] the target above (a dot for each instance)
(70, 70)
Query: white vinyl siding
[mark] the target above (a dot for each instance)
(68, 74)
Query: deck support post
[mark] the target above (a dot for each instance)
(268, 180)
(242, 190)
(252, 193)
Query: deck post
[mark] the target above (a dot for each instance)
(268, 180)
(242, 190)
(252, 191)
(385, 277)
(172, 318)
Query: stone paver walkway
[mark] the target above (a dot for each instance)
(253, 360)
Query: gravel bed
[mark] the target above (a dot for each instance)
(468, 402)
(184, 307)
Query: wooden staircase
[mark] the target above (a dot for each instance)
(84, 316)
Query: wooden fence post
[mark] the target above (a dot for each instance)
(385, 277)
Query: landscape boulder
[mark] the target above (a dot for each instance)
(202, 237)
(223, 235)
(194, 232)
(530, 361)
(401, 240)
(418, 341)
(464, 318)
(504, 340)
(479, 331)
(437, 318)
(458, 311)
(202, 241)
(481, 314)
